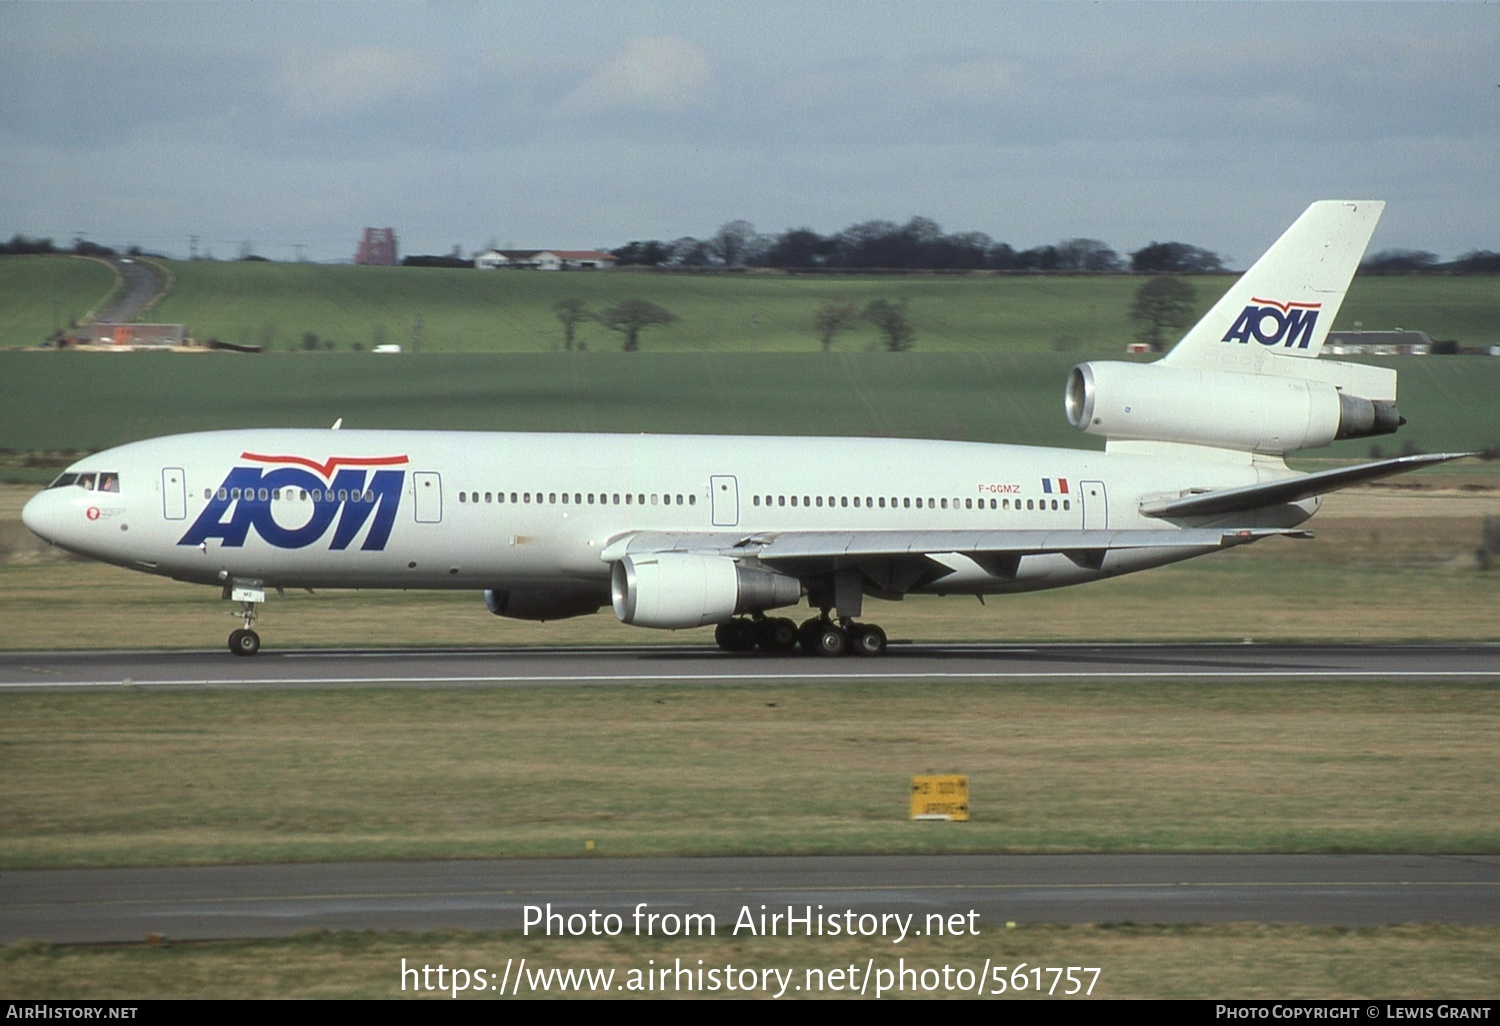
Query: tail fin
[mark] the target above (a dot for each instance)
(1284, 305)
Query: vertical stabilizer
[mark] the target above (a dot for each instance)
(1284, 305)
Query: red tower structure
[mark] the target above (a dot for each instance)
(377, 248)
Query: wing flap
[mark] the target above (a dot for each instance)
(831, 550)
(1291, 489)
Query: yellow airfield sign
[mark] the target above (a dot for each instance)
(940, 797)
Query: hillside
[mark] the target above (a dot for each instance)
(457, 311)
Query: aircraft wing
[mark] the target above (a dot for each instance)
(905, 559)
(1291, 489)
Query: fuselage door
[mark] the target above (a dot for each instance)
(725, 492)
(428, 500)
(1095, 508)
(173, 493)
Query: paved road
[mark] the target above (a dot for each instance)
(270, 901)
(658, 664)
(143, 283)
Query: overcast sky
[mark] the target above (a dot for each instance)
(589, 124)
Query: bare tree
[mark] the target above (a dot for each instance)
(633, 315)
(833, 317)
(572, 313)
(1162, 302)
(732, 242)
(891, 321)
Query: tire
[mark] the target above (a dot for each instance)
(833, 640)
(807, 634)
(868, 640)
(735, 635)
(244, 642)
(778, 635)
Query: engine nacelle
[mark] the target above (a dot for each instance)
(680, 589)
(538, 604)
(1227, 410)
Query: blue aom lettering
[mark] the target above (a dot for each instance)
(353, 498)
(1271, 325)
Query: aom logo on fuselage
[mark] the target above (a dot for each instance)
(1270, 323)
(291, 507)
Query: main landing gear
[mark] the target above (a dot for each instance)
(821, 635)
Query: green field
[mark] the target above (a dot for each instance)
(455, 311)
(85, 401)
(39, 295)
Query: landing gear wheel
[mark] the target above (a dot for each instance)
(735, 635)
(867, 640)
(807, 634)
(244, 642)
(776, 635)
(833, 640)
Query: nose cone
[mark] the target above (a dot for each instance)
(34, 516)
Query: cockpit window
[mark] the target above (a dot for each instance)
(107, 481)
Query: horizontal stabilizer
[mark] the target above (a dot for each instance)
(1292, 489)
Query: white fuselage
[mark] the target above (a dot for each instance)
(431, 509)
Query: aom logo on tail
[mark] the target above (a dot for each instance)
(1275, 324)
(293, 506)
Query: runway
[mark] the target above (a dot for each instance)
(270, 901)
(116, 905)
(657, 664)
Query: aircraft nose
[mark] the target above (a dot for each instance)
(34, 516)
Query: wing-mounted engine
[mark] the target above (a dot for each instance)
(680, 589)
(1265, 412)
(542, 604)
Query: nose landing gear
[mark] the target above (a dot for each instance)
(245, 642)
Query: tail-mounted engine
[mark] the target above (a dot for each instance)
(1247, 412)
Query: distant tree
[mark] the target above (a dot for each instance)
(1174, 258)
(1399, 261)
(833, 317)
(631, 317)
(1088, 255)
(20, 245)
(309, 341)
(1161, 303)
(798, 247)
(572, 313)
(891, 321)
(732, 242)
(642, 254)
(690, 252)
(1480, 261)
(1039, 258)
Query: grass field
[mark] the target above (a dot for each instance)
(141, 776)
(1242, 962)
(457, 311)
(39, 295)
(78, 401)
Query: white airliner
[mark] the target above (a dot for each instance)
(687, 531)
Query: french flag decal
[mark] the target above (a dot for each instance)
(1048, 482)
